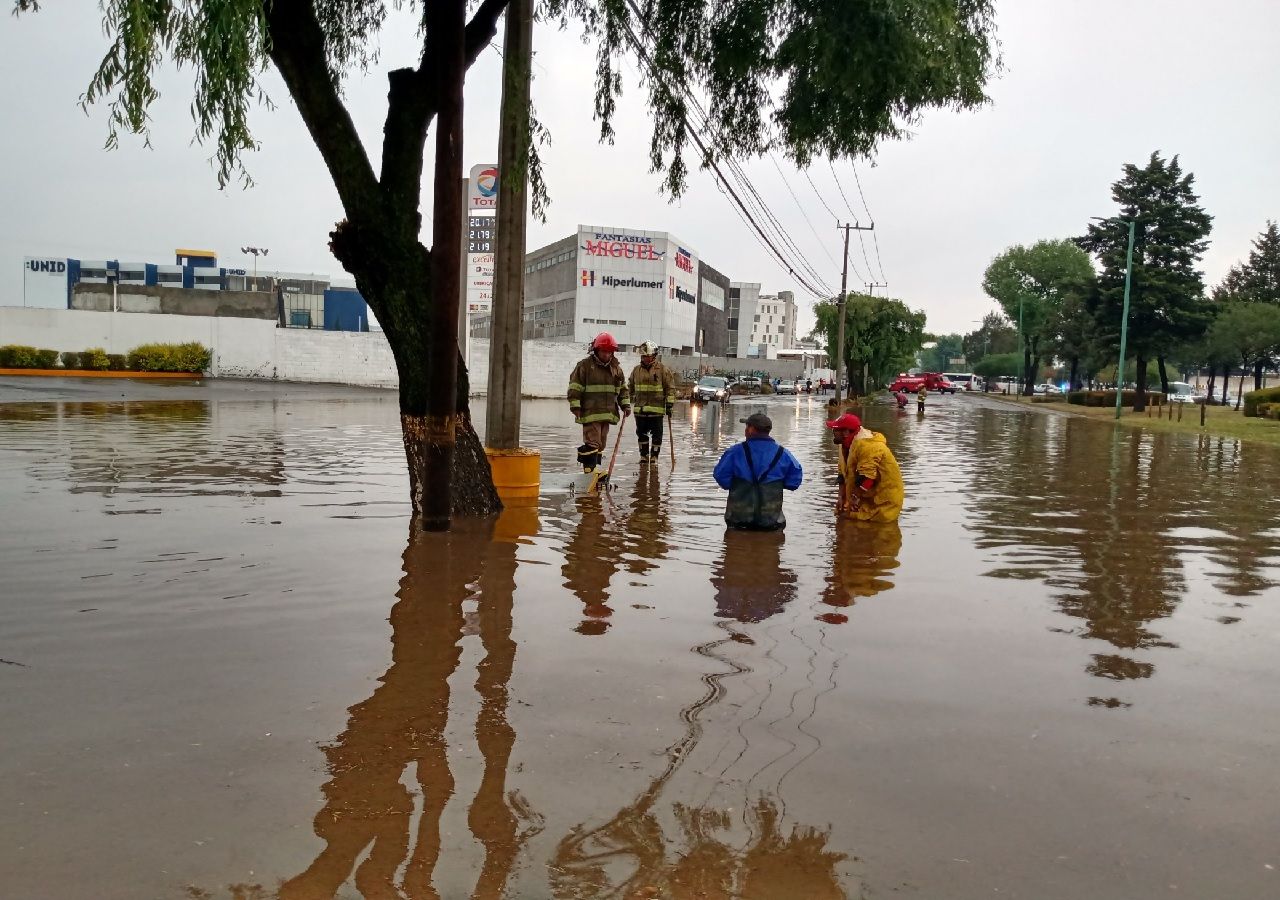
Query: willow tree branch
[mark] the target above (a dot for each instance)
(413, 100)
(298, 51)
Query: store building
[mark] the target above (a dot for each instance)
(637, 285)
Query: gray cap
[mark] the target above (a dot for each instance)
(758, 421)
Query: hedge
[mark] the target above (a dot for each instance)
(117, 362)
(190, 357)
(1108, 398)
(94, 360)
(17, 356)
(1253, 398)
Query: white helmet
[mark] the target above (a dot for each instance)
(648, 348)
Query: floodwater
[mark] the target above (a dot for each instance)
(227, 672)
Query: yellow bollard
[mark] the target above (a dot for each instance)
(516, 474)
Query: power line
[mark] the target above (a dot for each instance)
(840, 188)
(871, 218)
(800, 207)
(708, 159)
(821, 199)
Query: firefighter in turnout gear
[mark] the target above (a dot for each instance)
(597, 395)
(653, 390)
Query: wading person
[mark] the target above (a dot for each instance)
(755, 473)
(597, 395)
(871, 488)
(653, 391)
(921, 396)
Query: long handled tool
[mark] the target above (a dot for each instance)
(604, 479)
(671, 440)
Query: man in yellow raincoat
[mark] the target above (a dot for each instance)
(871, 488)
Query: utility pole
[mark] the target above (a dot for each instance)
(844, 294)
(502, 415)
(872, 285)
(516, 471)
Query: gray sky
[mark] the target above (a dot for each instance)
(1089, 85)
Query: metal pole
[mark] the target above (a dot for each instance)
(844, 293)
(1124, 316)
(502, 412)
(1022, 352)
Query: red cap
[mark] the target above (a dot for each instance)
(848, 422)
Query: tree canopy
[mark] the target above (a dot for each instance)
(880, 333)
(1170, 237)
(1031, 284)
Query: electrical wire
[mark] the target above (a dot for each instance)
(875, 240)
(822, 291)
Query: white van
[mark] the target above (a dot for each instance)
(965, 381)
(1181, 392)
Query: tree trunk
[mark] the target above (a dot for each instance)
(1240, 389)
(1213, 374)
(1027, 375)
(429, 442)
(1226, 382)
(1257, 375)
(1164, 375)
(1073, 380)
(1140, 395)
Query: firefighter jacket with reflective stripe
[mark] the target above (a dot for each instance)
(597, 391)
(652, 389)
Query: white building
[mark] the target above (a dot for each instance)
(760, 324)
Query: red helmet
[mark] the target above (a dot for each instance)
(604, 341)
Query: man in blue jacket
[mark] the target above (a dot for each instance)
(755, 473)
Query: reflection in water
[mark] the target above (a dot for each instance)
(648, 522)
(661, 846)
(591, 557)
(749, 580)
(399, 732)
(865, 554)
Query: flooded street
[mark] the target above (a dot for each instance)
(225, 672)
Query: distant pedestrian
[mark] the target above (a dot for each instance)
(921, 396)
(755, 473)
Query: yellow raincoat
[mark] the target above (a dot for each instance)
(870, 457)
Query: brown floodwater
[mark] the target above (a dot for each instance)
(228, 671)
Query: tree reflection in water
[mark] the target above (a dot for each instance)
(399, 731)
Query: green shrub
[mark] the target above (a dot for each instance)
(1253, 398)
(70, 360)
(1127, 398)
(1047, 398)
(190, 357)
(18, 356)
(1077, 398)
(94, 359)
(117, 362)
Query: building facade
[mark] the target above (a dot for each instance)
(713, 316)
(302, 300)
(637, 285)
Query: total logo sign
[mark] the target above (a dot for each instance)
(482, 188)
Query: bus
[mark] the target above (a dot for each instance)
(965, 381)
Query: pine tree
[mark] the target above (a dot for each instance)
(1256, 280)
(1166, 305)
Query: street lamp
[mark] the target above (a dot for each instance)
(256, 251)
(1124, 315)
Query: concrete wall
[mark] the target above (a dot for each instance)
(133, 298)
(242, 347)
(255, 348)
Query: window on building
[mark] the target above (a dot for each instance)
(757, 319)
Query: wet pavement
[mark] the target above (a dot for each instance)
(226, 672)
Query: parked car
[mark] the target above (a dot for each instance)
(1047, 389)
(711, 387)
(749, 382)
(785, 387)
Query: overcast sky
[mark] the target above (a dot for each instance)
(1088, 86)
